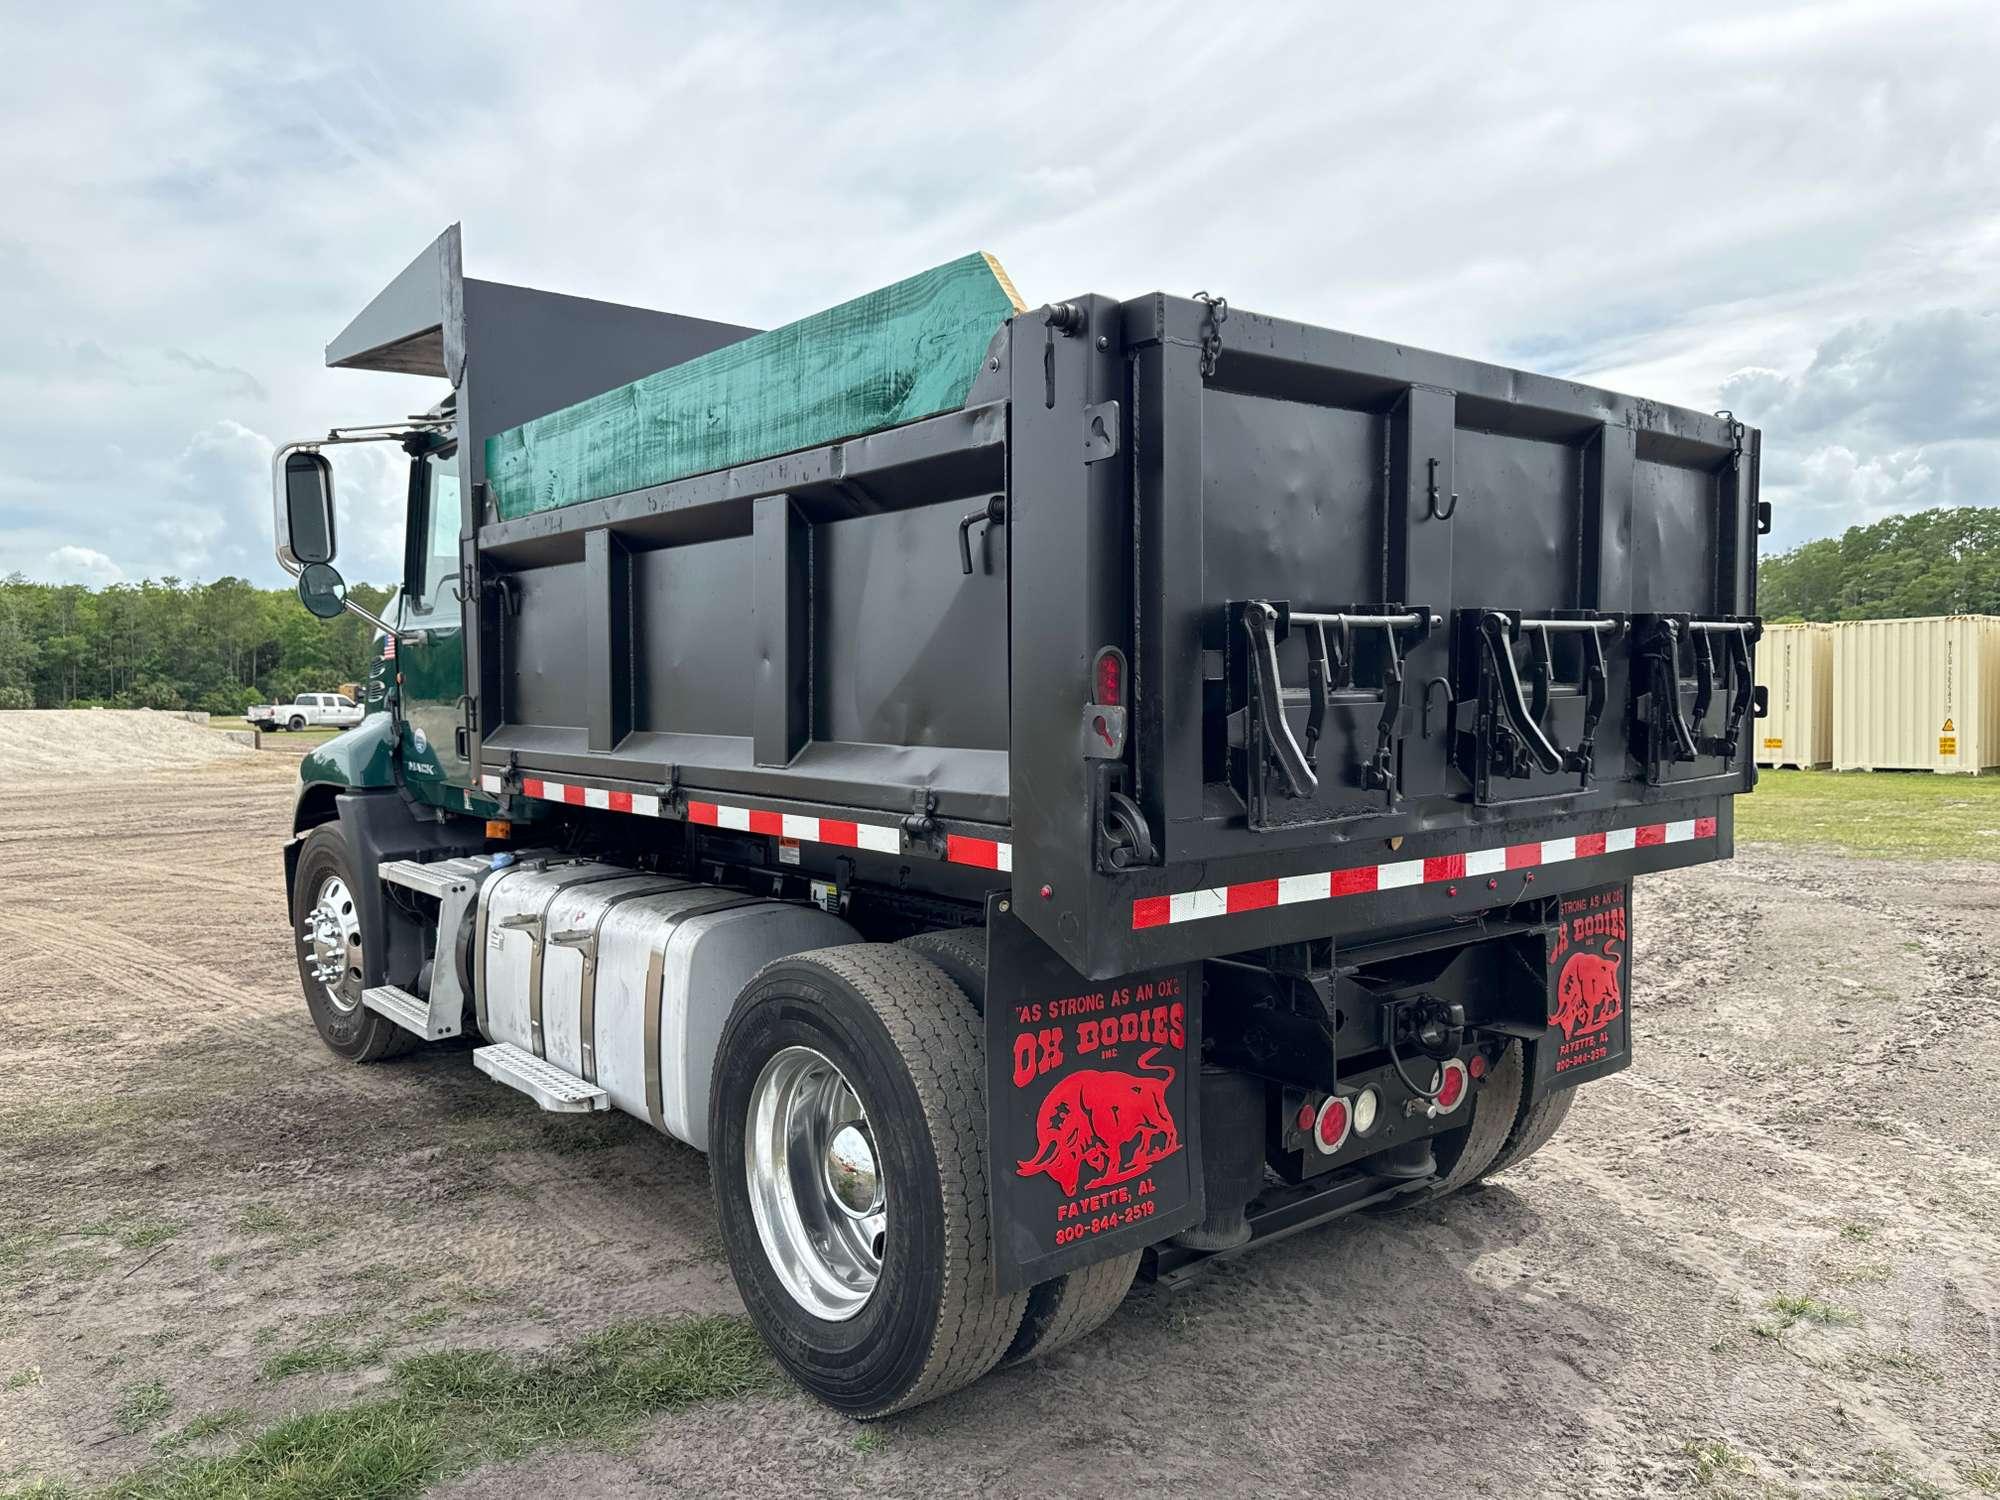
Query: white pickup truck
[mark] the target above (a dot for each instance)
(317, 710)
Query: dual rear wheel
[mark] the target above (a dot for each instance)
(847, 1138)
(1506, 1128)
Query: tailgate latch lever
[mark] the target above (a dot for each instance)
(1512, 739)
(1330, 658)
(1737, 636)
(1260, 622)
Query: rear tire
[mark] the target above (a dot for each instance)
(325, 899)
(1468, 1153)
(1064, 1308)
(961, 953)
(899, 1033)
(295, 722)
(1533, 1127)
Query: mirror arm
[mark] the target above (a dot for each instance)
(386, 432)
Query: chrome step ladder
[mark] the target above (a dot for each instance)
(454, 885)
(543, 1082)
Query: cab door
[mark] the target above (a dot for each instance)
(430, 641)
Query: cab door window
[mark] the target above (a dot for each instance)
(430, 595)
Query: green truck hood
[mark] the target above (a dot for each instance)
(362, 756)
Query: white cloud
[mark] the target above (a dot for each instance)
(1887, 416)
(1657, 204)
(83, 565)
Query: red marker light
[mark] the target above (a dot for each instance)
(1477, 1066)
(1305, 1119)
(1109, 673)
(1451, 1086)
(1330, 1131)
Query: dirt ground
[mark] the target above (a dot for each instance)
(1765, 1260)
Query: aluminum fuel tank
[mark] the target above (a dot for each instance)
(625, 978)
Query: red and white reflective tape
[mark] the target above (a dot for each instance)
(1290, 890)
(984, 854)
(646, 804)
(882, 838)
(807, 830)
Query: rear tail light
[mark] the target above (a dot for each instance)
(1330, 1129)
(1453, 1084)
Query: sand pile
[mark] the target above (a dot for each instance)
(106, 742)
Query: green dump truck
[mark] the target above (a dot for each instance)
(1039, 795)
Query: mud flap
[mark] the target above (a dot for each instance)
(1091, 1106)
(1590, 967)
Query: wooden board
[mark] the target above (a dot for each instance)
(908, 351)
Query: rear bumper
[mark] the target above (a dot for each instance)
(1188, 912)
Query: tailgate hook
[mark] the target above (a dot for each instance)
(994, 514)
(1670, 735)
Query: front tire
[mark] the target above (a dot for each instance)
(331, 946)
(907, 1052)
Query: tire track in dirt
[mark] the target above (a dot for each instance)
(1842, 1185)
(138, 976)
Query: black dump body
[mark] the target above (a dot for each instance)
(1270, 635)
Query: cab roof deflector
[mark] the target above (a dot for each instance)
(416, 324)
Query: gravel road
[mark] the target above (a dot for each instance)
(1761, 1262)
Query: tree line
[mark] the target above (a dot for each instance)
(172, 644)
(1935, 562)
(224, 645)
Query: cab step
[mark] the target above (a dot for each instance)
(412, 1013)
(543, 1082)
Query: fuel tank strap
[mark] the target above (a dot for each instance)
(586, 1019)
(538, 935)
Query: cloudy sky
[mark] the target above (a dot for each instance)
(1793, 211)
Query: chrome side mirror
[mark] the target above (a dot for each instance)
(309, 508)
(322, 590)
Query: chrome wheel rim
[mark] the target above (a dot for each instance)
(332, 935)
(816, 1188)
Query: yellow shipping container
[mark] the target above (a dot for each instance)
(1795, 667)
(1917, 695)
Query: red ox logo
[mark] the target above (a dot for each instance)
(1093, 1117)
(1587, 997)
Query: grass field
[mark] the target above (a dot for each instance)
(439, 1414)
(1884, 814)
